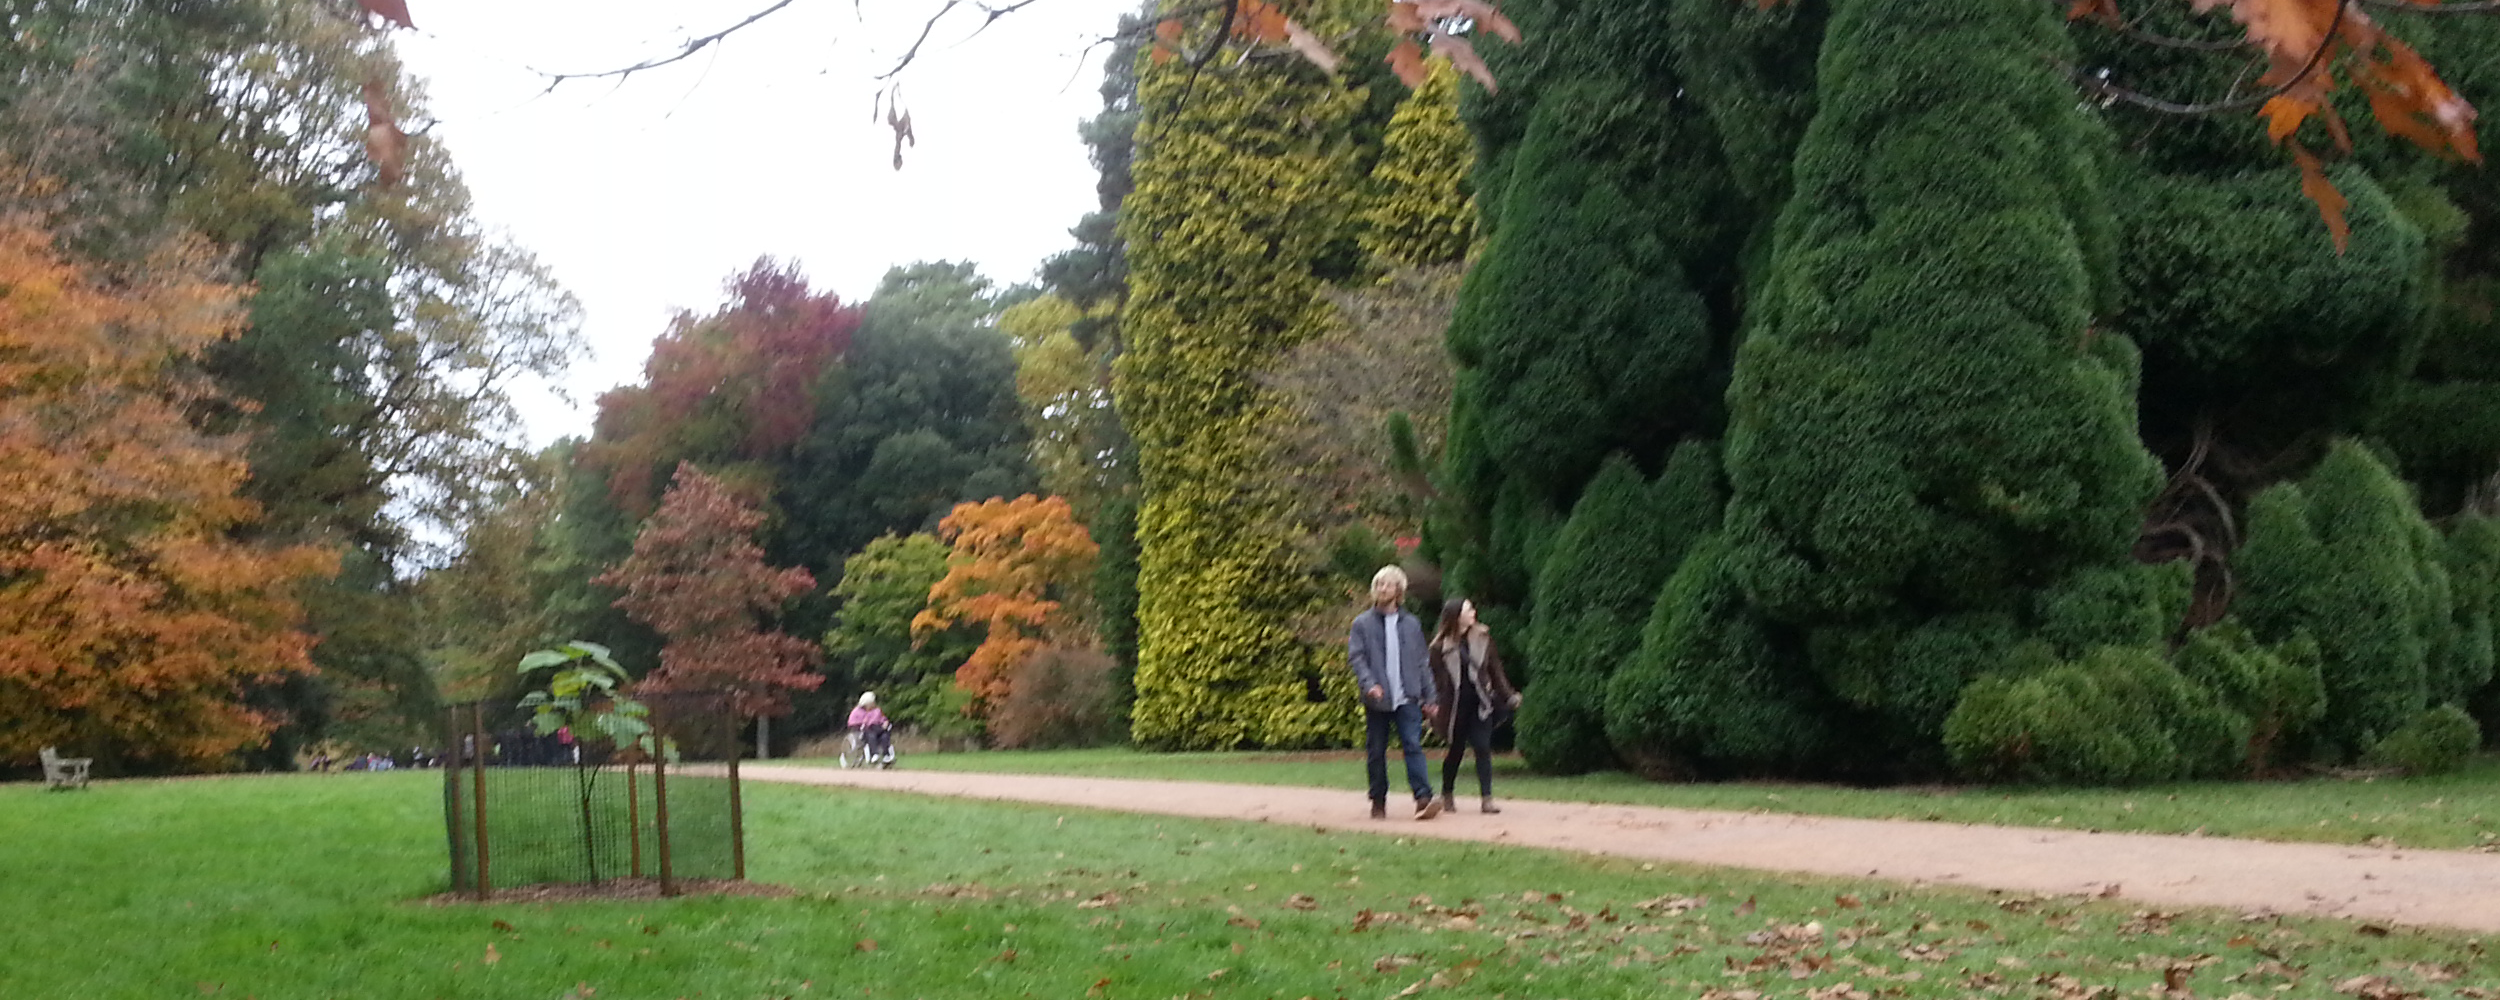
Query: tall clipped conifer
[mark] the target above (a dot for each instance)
(2343, 557)
(1421, 210)
(1597, 584)
(1928, 443)
(1595, 319)
(1241, 188)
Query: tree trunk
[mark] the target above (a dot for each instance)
(763, 738)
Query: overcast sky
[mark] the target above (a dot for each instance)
(643, 196)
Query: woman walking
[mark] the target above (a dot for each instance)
(1475, 695)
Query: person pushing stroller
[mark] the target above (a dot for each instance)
(871, 733)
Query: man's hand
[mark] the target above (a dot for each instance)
(1376, 694)
(1432, 711)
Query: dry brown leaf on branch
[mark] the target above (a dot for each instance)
(1303, 41)
(2331, 202)
(1167, 40)
(1463, 55)
(2104, 11)
(385, 144)
(1406, 59)
(900, 121)
(394, 11)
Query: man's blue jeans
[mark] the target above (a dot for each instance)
(1409, 721)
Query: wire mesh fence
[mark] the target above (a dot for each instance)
(524, 809)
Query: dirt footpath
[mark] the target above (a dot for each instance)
(2429, 888)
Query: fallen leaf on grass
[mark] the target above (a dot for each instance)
(2436, 973)
(1299, 901)
(2375, 988)
(2175, 978)
(2371, 930)
(1217, 974)
(1245, 923)
(504, 927)
(1848, 902)
(1392, 963)
(492, 956)
(1839, 991)
(1745, 909)
(1007, 957)
(865, 944)
(1100, 900)
(1096, 989)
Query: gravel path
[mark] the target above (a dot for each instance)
(2430, 888)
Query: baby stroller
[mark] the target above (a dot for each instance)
(869, 746)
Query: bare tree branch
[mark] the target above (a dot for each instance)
(925, 28)
(2317, 60)
(684, 52)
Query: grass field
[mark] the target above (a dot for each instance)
(310, 887)
(2460, 810)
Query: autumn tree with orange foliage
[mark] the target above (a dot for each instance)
(130, 622)
(699, 580)
(1017, 564)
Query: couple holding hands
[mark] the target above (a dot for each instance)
(1454, 680)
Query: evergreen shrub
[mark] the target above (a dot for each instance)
(1708, 692)
(1622, 541)
(2435, 742)
(2118, 716)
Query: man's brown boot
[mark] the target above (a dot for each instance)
(1427, 808)
(1380, 810)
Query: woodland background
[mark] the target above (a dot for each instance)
(1863, 389)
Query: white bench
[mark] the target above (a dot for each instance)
(64, 772)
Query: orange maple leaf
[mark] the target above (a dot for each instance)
(1406, 59)
(2331, 202)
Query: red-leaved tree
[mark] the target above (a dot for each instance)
(1015, 563)
(698, 578)
(735, 385)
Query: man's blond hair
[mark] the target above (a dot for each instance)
(1390, 575)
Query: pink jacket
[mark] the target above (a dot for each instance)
(864, 717)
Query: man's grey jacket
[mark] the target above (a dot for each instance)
(1367, 648)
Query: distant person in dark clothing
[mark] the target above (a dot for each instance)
(1386, 650)
(1475, 695)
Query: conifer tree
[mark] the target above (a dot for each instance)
(1930, 448)
(1421, 210)
(1241, 188)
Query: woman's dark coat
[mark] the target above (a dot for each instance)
(1494, 695)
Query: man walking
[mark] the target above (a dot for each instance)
(1386, 649)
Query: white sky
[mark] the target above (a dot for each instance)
(643, 197)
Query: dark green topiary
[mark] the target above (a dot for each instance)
(2254, 322)
(1708, 693)
(1594, 322)
(2119, 716)
(2278, 689)
(2436, 741)
(1606, 564)
(1928, 442)
(2344, 557)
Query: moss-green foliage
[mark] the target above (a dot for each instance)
(2343, 557)
(1708, 693)
(2244, 312)
(2278, 689)
(1624, 538)
(2118, 716)
(1242, 181)
(1420, 209)
(1751, 67)
(1931, 456)
(2437, 741)
(1594, 321)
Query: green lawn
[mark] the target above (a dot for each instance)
(307, 887)
(2460, 810)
